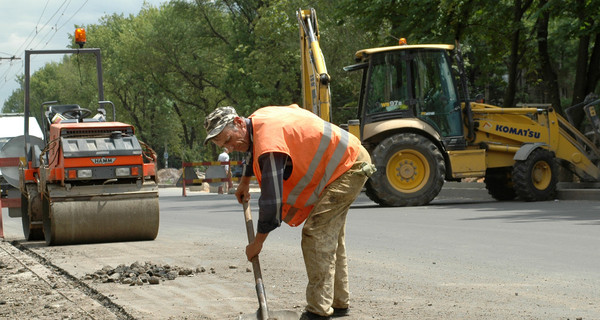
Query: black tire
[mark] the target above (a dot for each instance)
(498, 182)
(535, 178)
(32, 231)
(410, 171)
(49, 235)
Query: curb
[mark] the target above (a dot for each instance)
(566, 191)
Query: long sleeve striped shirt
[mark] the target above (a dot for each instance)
(275, 167)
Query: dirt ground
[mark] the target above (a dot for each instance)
(29, 290)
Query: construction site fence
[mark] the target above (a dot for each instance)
(196, 181)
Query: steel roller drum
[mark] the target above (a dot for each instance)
(15, 148)
(101, 213)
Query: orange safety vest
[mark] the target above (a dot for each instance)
(320, 153)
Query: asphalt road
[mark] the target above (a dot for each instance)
(464, 256)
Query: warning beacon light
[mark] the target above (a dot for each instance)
(80, 37)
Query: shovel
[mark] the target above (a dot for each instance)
(263, 311)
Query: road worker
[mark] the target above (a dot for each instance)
(309, 171)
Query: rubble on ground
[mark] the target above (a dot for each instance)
(140, 274)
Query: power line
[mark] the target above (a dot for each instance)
(37, 31)
(46, 24)
(10, 58)
(65, 23)
(76, 12)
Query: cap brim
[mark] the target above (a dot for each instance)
(213, 134)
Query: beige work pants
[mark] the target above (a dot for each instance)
(323, 241)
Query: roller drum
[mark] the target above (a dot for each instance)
(106, 213)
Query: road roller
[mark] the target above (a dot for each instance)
(89, 179)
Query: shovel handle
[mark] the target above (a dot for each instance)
(249, 224)
(263, 311)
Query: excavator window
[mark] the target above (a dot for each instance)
(435, 92)
(388, 89)
(413, 83)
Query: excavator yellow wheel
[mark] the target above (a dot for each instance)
(541, 175)
(407, 170)
(535, 178)
(410, 171)
(100, 213)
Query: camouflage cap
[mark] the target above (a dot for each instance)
(217, 120)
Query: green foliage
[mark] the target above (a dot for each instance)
(166, 68)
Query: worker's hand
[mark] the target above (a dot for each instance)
(253, 249)
(242, 192)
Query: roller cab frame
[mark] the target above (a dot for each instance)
(89, 180)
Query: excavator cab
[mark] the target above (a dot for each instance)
(411, 82)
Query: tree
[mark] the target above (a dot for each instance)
(547, 70)
(516, 47)
(588, 55)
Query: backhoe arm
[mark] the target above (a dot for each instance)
(315, 79)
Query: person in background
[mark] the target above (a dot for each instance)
(309, 171)
(224, 157)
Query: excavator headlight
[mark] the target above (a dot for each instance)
(84, 173)
(123, 172)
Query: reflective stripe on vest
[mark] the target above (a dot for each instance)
(337, 156)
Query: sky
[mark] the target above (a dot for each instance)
(47, 24)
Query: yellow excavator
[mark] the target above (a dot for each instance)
(421, 128)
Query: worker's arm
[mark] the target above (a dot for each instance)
(272, 166)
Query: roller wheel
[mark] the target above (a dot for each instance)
(32, 230)
(498, 182)
(536, 177)
(410, 171)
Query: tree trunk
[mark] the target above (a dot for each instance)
(511, 88)
(581, 67)
(581, 70)
(594, 67)
(549, 76)
(515, 56)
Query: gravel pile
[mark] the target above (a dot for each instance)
(138, 274)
